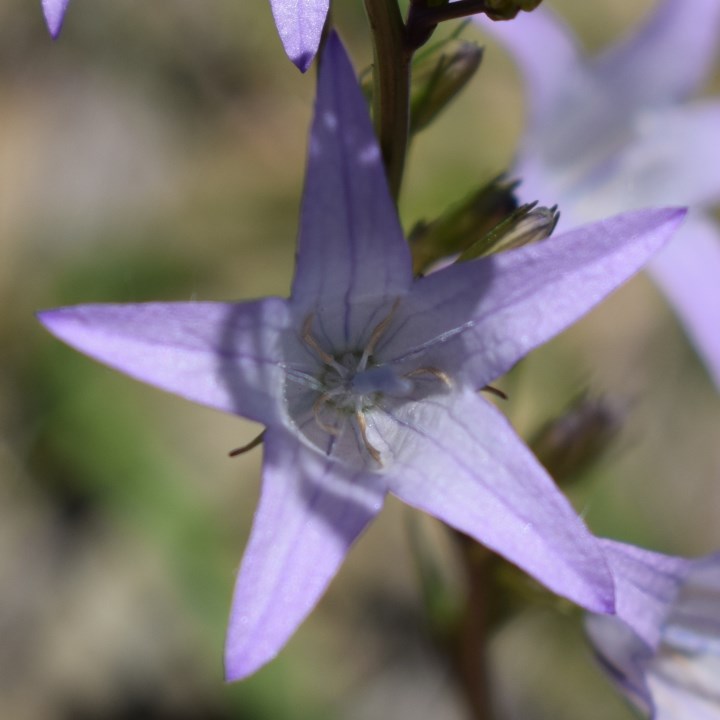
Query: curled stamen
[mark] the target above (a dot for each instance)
(376, 334)
(302, 378)
(362, 426)
(311, 342)
(438, 374)
(317, 407)
(246, 448)
(493, 391)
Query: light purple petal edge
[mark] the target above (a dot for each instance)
(311, 511)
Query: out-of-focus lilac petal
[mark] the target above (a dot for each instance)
(667, 657)
(54, 11)
(475, 320)
(300, 24)
(684, 677)
(227, 356)
(646, 586)
(458, 459)
(674, 158)
(351, 246)
(668, 58)
(688, 271)
(623, 656)
(546, 52)
(675, 701)
(694, 623)
(311, 511)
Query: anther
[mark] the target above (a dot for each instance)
(438, 374)
(362, 426)
(376, 334)
(309, 340)
(494, 391)
(317, 407)
(246, 448)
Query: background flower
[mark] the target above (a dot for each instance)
(620, 130)
(666, 657)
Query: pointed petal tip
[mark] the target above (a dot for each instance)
(303, 62)
(676, 214)
(54, 12)
(46, 318)
(55, 319)
(54, 26)
(300, 25)
(672, 218)
(236, 669)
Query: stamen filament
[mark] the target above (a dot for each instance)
(494, 391)
(438, 374)
(311, 342)
(362, 426)
(246, 448)
(317, 407)
(376, 334)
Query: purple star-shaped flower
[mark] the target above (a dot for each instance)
(367, 380)
(54, 11)
(666, 655)
(619, 131)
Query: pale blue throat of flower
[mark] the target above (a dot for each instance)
(333, 388)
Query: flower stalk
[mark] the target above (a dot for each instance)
(469, 650)
(391, 91)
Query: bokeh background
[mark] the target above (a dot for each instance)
(156, 152)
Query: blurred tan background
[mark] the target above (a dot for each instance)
(156, 152)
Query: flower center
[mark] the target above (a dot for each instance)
(349, 386)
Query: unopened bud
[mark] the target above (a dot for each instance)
(571, 443)
(528, 224)
(461, 225)
(439, 75)
(508, 9)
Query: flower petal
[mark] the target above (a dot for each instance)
(300, 24)
(311, 511)
(475, 320)
(668, 58)
(457, 458)
(546, 52)
(224, 355)
(623, 656)
(646, 586)
(351, 246)
(673, 158)
(54, 11)
(684, 677)
(663, 647)
(688, 272)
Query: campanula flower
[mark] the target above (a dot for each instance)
(665, 657)
(622, 131)
(54, 11)
(367, 380)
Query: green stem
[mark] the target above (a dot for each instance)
(391, 79)
(470, 647)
